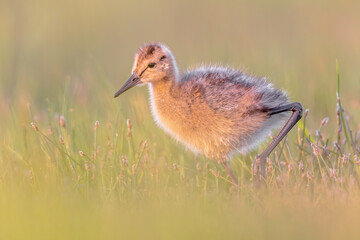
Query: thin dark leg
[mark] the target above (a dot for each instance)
(230, 172)
(296, 108)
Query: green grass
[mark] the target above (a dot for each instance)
(66, 179)
(62, 177)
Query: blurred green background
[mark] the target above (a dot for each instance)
(69, 57)
(293, 43)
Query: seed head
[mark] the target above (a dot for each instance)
(324, 122)
(343, 161)
(318, 134)
(306, 112)
(316, 150)
(62, 121)
(128, 123)
(272, 136)
(61, 139)
(337, 146)
(34, 126)
(333, 173)
(283, 163)
(269, 169)
(124, 160)
(96, 125)
(301, 166)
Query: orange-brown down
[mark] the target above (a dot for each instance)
(203, 129)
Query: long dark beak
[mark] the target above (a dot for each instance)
(131, 82)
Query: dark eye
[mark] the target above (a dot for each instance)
(151, 65)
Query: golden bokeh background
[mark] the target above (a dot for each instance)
(295, 44)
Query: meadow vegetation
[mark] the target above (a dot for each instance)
(77, 164)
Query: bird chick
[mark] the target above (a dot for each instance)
(212, 110)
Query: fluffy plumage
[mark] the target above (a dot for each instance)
(211, 110)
